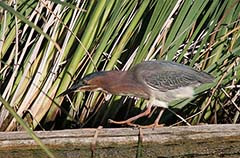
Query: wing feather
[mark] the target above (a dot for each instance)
(166, 75)
(169, 80)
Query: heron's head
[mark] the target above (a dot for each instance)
(91, 82)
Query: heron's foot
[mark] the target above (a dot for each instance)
(126, 122)
(153, 126)
(132, 119)
(156, 122)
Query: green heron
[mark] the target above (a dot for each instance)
(159, 82)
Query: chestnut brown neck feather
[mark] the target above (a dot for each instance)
(122, 83)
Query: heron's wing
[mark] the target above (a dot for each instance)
(165, 75)
(168, 80)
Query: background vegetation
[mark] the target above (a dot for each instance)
(45, 46)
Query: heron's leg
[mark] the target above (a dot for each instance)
(130, 120)
(157, 103)
(165, 105)
(150, 115)
(156, 122)
(158, 118)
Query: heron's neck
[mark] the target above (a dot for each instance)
(124, 83)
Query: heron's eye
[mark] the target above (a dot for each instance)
(85, 82)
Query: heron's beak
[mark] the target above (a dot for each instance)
(80, 86)
(73, 88)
